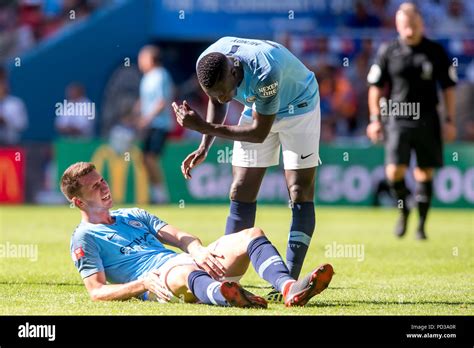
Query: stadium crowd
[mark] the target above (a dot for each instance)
(340, 63)
(25, 23)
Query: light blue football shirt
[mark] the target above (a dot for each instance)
(154, 86)
(275, 81)
(124, 250)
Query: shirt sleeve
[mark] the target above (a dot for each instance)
(378, 73)
(447, 72)
(153, 223)
(86, 256)
(267, 93)
(162, 87)
(17, 115)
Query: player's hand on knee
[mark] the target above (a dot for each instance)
(194, 159)
(449, 132)
(154, 284)
(375, 131)
(208, 261)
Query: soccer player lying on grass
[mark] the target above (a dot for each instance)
(125, 248)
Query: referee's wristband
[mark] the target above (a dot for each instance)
(374, 118)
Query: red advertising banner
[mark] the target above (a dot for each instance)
(12, 175)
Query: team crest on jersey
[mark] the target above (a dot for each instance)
(374, 74)
(427, 71)
(135, 223)
(78, 254)
(251, 99)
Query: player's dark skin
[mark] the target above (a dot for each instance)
(246, 181)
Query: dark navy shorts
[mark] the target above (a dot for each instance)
(155, 140)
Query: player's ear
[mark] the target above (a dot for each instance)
(77, 202)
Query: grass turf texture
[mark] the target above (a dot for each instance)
(396, 277)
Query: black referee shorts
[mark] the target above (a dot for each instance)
(425, 140)
(155, 140)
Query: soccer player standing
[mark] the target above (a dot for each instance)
(156, 89)
(281, 98)
(412, 66)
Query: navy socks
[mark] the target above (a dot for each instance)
(205, 288)
(241, 216)
(423, 195)
(268, 263)
(302, 228)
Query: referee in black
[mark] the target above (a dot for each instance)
(409, 69)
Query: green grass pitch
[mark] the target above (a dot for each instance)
(394, 277)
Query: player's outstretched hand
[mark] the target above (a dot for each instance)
(449, 132)
(192, 160)
(208, 261)
(154, 284)
(375, 131)
(187, 117)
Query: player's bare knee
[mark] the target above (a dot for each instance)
(148, 159)
(177, 278)
(235, 190)
(297, 193)
(423, 174)
(238, 194)
(395, 172)
(254, 232)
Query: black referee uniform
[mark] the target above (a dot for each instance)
(410, 117)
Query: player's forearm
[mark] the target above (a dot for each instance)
(248, 134)
(216, 113)
(118, 292)
(450, 103)
(170, 235)
(374, 96)
(191, 244)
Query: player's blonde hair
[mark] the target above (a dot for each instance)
(70, 185)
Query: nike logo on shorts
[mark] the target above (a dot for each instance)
(304, 157)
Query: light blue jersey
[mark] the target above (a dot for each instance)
(275, 81)
(124, 250)
(155, 86)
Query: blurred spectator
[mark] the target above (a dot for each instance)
(26, 22)
(357, 76)
(156, 92)
(326, 88)
(31, 15)
(344, 105)
(13, 115)
(361, 18)
(338, 103)
(14, 37)
(433, 12)
(456, 20)
(379, 9)
(123, 134)
(73, 124)
(465, 107)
